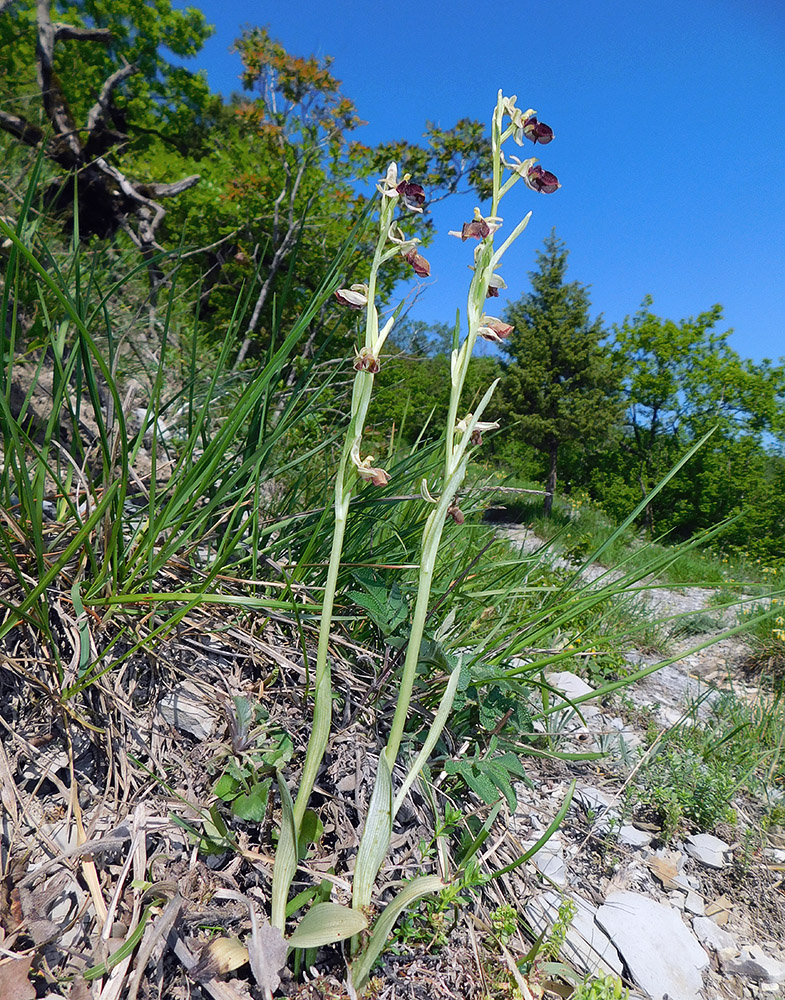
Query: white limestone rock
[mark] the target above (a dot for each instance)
(572, 687)
(549, 860)
(631, 836)
(659, 950)
(712, 936)
(708, 850)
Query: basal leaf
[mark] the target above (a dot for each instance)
(327, 923)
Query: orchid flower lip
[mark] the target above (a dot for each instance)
(479, 228)
(421, 266)
(366, 470)
(413, 195)
(366, 361)
(494, 329)
(539, 179)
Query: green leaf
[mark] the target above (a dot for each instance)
(226, 787)
(285, 857)
(253, 806)
(243, 714)
(311, 830)
(376, 837)
(327, 923)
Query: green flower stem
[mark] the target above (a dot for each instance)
(456, 449)
(345, 485)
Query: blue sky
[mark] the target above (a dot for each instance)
(670, 135)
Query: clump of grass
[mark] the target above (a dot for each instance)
(701, 765)
(765, 634)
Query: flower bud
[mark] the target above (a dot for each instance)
(455, 512)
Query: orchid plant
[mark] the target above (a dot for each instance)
(463, 437)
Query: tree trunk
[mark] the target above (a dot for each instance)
(553, 451)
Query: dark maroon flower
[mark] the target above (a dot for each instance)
(542, 180)
(478, 229)
(455, 512)
(413, 195)
(492, 293)
(421, 266)
(537, 131)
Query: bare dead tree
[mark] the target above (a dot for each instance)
(108, 199)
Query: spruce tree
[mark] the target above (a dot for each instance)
(559, 384)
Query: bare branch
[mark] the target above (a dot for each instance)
(55, 104)
(65, 31)
(170, 190)
(31, 135)
(101, 106)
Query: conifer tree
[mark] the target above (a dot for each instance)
(559, 383)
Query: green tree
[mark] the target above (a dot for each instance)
(679, 379)
(559, 384)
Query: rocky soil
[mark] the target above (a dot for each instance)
(702, 916)
(103, 807)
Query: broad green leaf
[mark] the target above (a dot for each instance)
(327, 923)
(226, 787)
(285, 857)
(253, 806)
(311, 830)
(376, 837)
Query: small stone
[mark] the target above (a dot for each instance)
(592, 798)
(719, 910)
(190, 708)
(631, 836)
(753, 963)
(570, 684)
(694, 904)
(549, 860)
(708, 850)
(712, 936)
